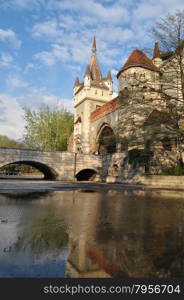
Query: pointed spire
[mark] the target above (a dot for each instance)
(94, 45)
(156, 51)
(109, 76)
(87, 72)
(94, 66)
(77, 83)
(93, 69)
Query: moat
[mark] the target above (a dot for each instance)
(49, 229)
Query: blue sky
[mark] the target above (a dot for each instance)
(45, 44)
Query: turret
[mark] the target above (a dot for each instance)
(110, 82)
(76, 85)
(87, 77)
(138, 65)
(156, 55)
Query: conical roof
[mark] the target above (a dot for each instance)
(109, 76)
(138, 59)
(77, 83)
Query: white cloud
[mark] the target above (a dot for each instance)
(56, 102)
(114, 72)
(14, 82)
(6, 60)
(37, 97)
(49, 29)
(58, 53)
(22, 4)
(110, 14)
(29, 67)
(75, 70)
(46, 57)
(73, 35)
(9, 36)
(12, 123)
(147, 10)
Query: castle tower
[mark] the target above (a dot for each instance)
(138, 75)
(94, 91)
(157, 56)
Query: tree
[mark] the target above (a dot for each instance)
(48, 129)
(169, 31)
(10, 143)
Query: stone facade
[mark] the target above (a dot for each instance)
(88, 95)
(138, 119)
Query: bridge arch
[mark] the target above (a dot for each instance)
(86, 174)
(48, 172)
(106, 139)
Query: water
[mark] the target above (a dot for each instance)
(92, 233)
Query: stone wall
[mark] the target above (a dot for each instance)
(156, 181)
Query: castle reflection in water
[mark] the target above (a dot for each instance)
(109, 233)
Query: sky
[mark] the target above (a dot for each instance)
(45, 44)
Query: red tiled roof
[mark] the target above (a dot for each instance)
(138, 59)
(105, 109)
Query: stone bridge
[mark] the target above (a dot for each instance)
(55, 165)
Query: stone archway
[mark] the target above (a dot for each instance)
(86, 175)
(48, 172)
(106, 140)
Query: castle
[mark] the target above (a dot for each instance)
(138, 120)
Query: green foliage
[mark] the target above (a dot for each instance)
(139, 156)
(14, 169)
(48, 129)
(50, 232)
(173, 171)
(10, 143)
(45, 234)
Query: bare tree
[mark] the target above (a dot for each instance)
(169, 31)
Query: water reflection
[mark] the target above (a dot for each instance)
(130, 233)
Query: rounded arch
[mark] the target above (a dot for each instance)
(49, 172)
(106, 139)
(86, 175)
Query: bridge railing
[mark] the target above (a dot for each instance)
(43, 151)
